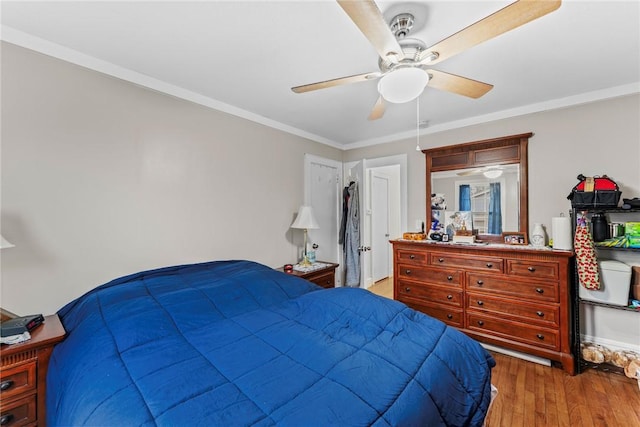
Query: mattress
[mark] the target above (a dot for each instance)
(238, 343)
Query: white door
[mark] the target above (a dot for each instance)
(323, 194)
(380, 188)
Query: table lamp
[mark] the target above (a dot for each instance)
(305, 221)
(4, 243)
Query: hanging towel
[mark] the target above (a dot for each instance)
(586, 257)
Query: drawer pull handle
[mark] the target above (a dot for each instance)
(531, 269)
(449, 296)
(449, 316)
(6, 419)
(449, 278)
(540, 336)
(407, 289)
(540, 290)
(440, 259)
(489, 265)
(412, 256)
(480, 282)
(6, 385)
(539, 313)
(480, 302)
(407, 272)
(480, 322)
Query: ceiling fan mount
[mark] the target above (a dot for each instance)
(403, 58)
(401, 25)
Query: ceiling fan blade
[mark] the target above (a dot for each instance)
(506, 19)
(337, 82)
(456, 84)
(378, 109)
(469, 172)
(369, 19)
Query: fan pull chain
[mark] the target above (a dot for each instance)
(418, 124)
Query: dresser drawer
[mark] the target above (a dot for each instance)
(17, 379)
(514, 331)
(467, 262)
(326, 280)
(504, 285)
(411, 257)
(543, 314)
(430, 275)
(534, 269)
(449, 315)
(19, 412)
(437, 294)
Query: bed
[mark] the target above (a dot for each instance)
(237, 343)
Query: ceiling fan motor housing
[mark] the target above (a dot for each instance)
(412, 49)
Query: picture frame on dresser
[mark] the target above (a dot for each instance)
(515, 238)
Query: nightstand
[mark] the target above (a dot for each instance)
(325, 277)
(23, 375)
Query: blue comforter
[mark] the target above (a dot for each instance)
(236, 343)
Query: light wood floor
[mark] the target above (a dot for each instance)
(530, 394)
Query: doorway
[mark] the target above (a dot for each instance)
(379, 176)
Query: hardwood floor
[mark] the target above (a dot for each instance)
(530, 394)
(383, 287)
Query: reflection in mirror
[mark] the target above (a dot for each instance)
(491, 193)
(488, 179)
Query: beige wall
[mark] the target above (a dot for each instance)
(592, 139)
(102, 178)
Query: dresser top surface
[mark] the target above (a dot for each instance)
(483, 247)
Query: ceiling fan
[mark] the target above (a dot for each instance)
(405, 62)
(493, 171)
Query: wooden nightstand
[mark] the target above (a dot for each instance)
(325, 277)
(23, 375)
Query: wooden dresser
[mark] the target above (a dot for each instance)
(512, 297)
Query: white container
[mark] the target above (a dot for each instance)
(615, 280)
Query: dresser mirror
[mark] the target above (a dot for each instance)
(481, 185)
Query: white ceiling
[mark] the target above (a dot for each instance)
(243, 57)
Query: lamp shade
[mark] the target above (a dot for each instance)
(4, 243)
(305, 219)
(403, 84)
(493, 173)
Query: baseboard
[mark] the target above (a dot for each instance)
(611, 344)
(519, 355)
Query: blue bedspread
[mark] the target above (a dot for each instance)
(237, 343)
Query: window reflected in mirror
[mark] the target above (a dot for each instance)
(490, 194)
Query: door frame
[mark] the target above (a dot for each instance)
(396, 160)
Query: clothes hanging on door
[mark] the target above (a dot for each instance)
(351, 239)
(345, 211)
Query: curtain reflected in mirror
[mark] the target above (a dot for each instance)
(494, 203)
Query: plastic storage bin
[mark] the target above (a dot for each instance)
(615, 280)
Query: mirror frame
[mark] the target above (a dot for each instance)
(498, 151)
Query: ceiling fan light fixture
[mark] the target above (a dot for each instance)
(403, 84)
(493, 173)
